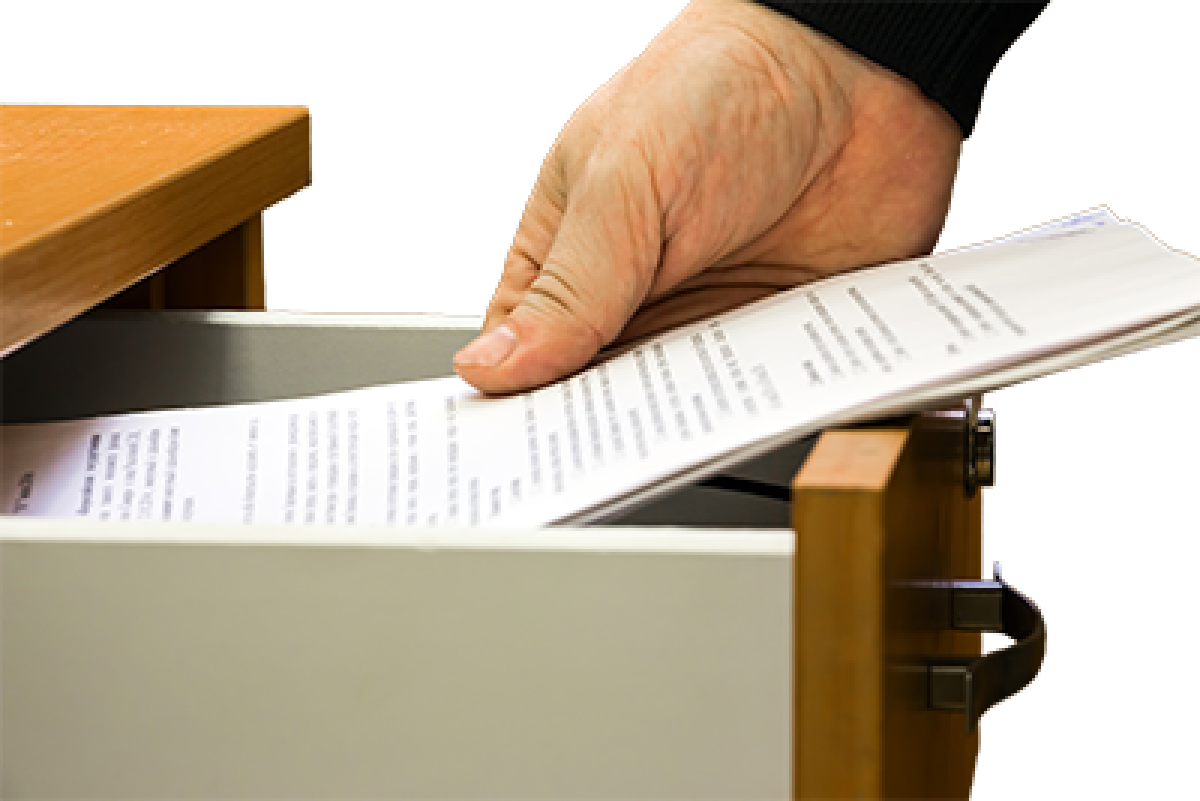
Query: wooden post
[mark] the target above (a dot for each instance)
(226, 273)
(873, 508)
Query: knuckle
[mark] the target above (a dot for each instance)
(554, 297)
(521, 267)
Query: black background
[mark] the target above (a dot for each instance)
(429, 132)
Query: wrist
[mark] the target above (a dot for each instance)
(948, 49)
(844, 83)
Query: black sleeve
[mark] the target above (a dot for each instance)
(947, 49)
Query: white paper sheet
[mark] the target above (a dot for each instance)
(435, 452)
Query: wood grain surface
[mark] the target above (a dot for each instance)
(872, 509)
(94, 198)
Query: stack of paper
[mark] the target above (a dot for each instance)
(876, 341)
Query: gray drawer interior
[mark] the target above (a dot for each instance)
(115, 362)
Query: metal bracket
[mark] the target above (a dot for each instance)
(980, 448)
(974, 684)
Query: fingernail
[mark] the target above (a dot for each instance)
(488, 350)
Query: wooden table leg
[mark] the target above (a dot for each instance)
(225, 273)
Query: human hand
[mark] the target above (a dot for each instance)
(741, 153)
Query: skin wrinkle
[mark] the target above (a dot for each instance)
(549, 276)
(526, 258)
(809, 134)
(648, 222)
(639, 147)
(507, 297)
(686, 264)
(727, 52)
(817, 67)
(555, 277)
(585, 306)
(688, 159)
(593, 333)
(649, 213)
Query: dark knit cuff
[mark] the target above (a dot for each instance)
(947, 49)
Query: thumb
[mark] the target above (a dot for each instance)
(597, 273)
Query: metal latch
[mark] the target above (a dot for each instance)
(980, 449)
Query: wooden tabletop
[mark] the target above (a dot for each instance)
(94, 198)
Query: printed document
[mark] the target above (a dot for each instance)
(880, 340)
